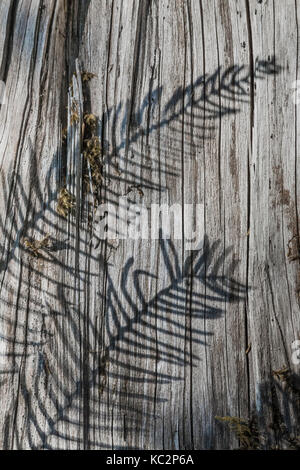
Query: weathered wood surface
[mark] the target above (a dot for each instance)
(137, 344)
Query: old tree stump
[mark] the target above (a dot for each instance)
(136, 343)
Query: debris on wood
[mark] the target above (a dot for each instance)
(248, 349)
(281, 374)
(92, 149)
(74, 113)
(136, 187)
(91, 121)
(92, 152)
(34, 246)
(245, 431)
(87, 76)
(65, 203)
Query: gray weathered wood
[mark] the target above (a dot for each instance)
(141, 343)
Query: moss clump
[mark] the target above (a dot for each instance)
(275, 435)
(64, 134)
(87, 76)
(34, 246)
(244, 431)
(74, 113)
(65, 202)
(91, 121)
(92, 150)
(92, 153)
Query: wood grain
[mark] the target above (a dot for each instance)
(140, 344)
